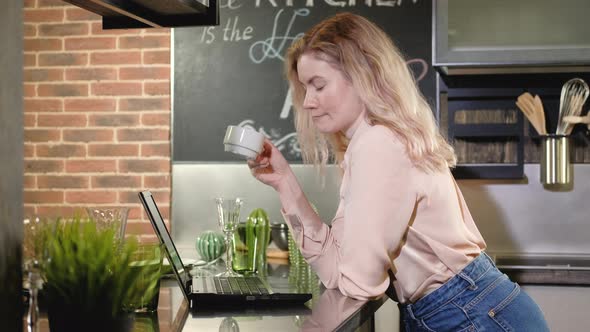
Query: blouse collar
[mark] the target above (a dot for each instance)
(353, 133)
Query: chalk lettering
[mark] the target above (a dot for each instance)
(336, 3)
(286, 106)
(207, 36)
(422, 66)
(383, 3)
(230, 4)
(233, 33)
(247, 33)
(272, 47)
(388, 3)
(272, 2)
(308, 3)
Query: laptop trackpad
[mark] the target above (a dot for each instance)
(204, 285)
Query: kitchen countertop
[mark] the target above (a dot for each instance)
(331, 312)
(328, 310)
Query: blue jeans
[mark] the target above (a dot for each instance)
(479, 298)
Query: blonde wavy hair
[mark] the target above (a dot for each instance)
(377, 70)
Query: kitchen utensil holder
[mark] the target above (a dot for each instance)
(556, 168)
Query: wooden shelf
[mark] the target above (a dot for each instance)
(468, 105)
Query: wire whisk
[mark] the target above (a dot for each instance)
(573, 96)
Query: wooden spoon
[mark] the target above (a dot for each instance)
(540, 112)
(526, 104)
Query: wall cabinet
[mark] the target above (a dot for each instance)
(507, 35)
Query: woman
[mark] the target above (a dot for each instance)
(402, 221)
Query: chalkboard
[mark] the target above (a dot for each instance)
(232, 74)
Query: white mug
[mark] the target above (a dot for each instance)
(243, 141)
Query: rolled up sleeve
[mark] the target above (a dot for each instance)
(308, 230)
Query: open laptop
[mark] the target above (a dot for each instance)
(216, 291)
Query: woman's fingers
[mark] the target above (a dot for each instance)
(266, 147)
(262, 169)
(255, 164)
(260, 158)
(252, 163)
(261, 165)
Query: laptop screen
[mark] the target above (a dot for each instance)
(156, 218)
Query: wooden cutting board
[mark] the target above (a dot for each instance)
(277, 253)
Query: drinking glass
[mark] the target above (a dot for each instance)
(241, 255)
(146, 261)
(228, 217)
(107, 216)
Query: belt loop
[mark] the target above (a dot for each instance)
(467, 278)
(489, 258)
(410, 311)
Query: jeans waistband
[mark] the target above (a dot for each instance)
(464, 279)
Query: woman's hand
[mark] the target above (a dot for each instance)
(270, 167)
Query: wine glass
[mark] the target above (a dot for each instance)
(34, 256)
(108, 216)
(228, 217)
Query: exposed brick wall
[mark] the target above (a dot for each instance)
(97, 113)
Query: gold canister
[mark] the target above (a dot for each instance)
(555, 159)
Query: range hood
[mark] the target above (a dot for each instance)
(128, 14)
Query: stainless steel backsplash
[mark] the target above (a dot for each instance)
(513, 216)
(194, 187)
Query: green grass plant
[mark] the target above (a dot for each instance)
(88, 273)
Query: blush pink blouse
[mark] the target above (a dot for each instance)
(391, 215)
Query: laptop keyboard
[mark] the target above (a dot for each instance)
(240, 285)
